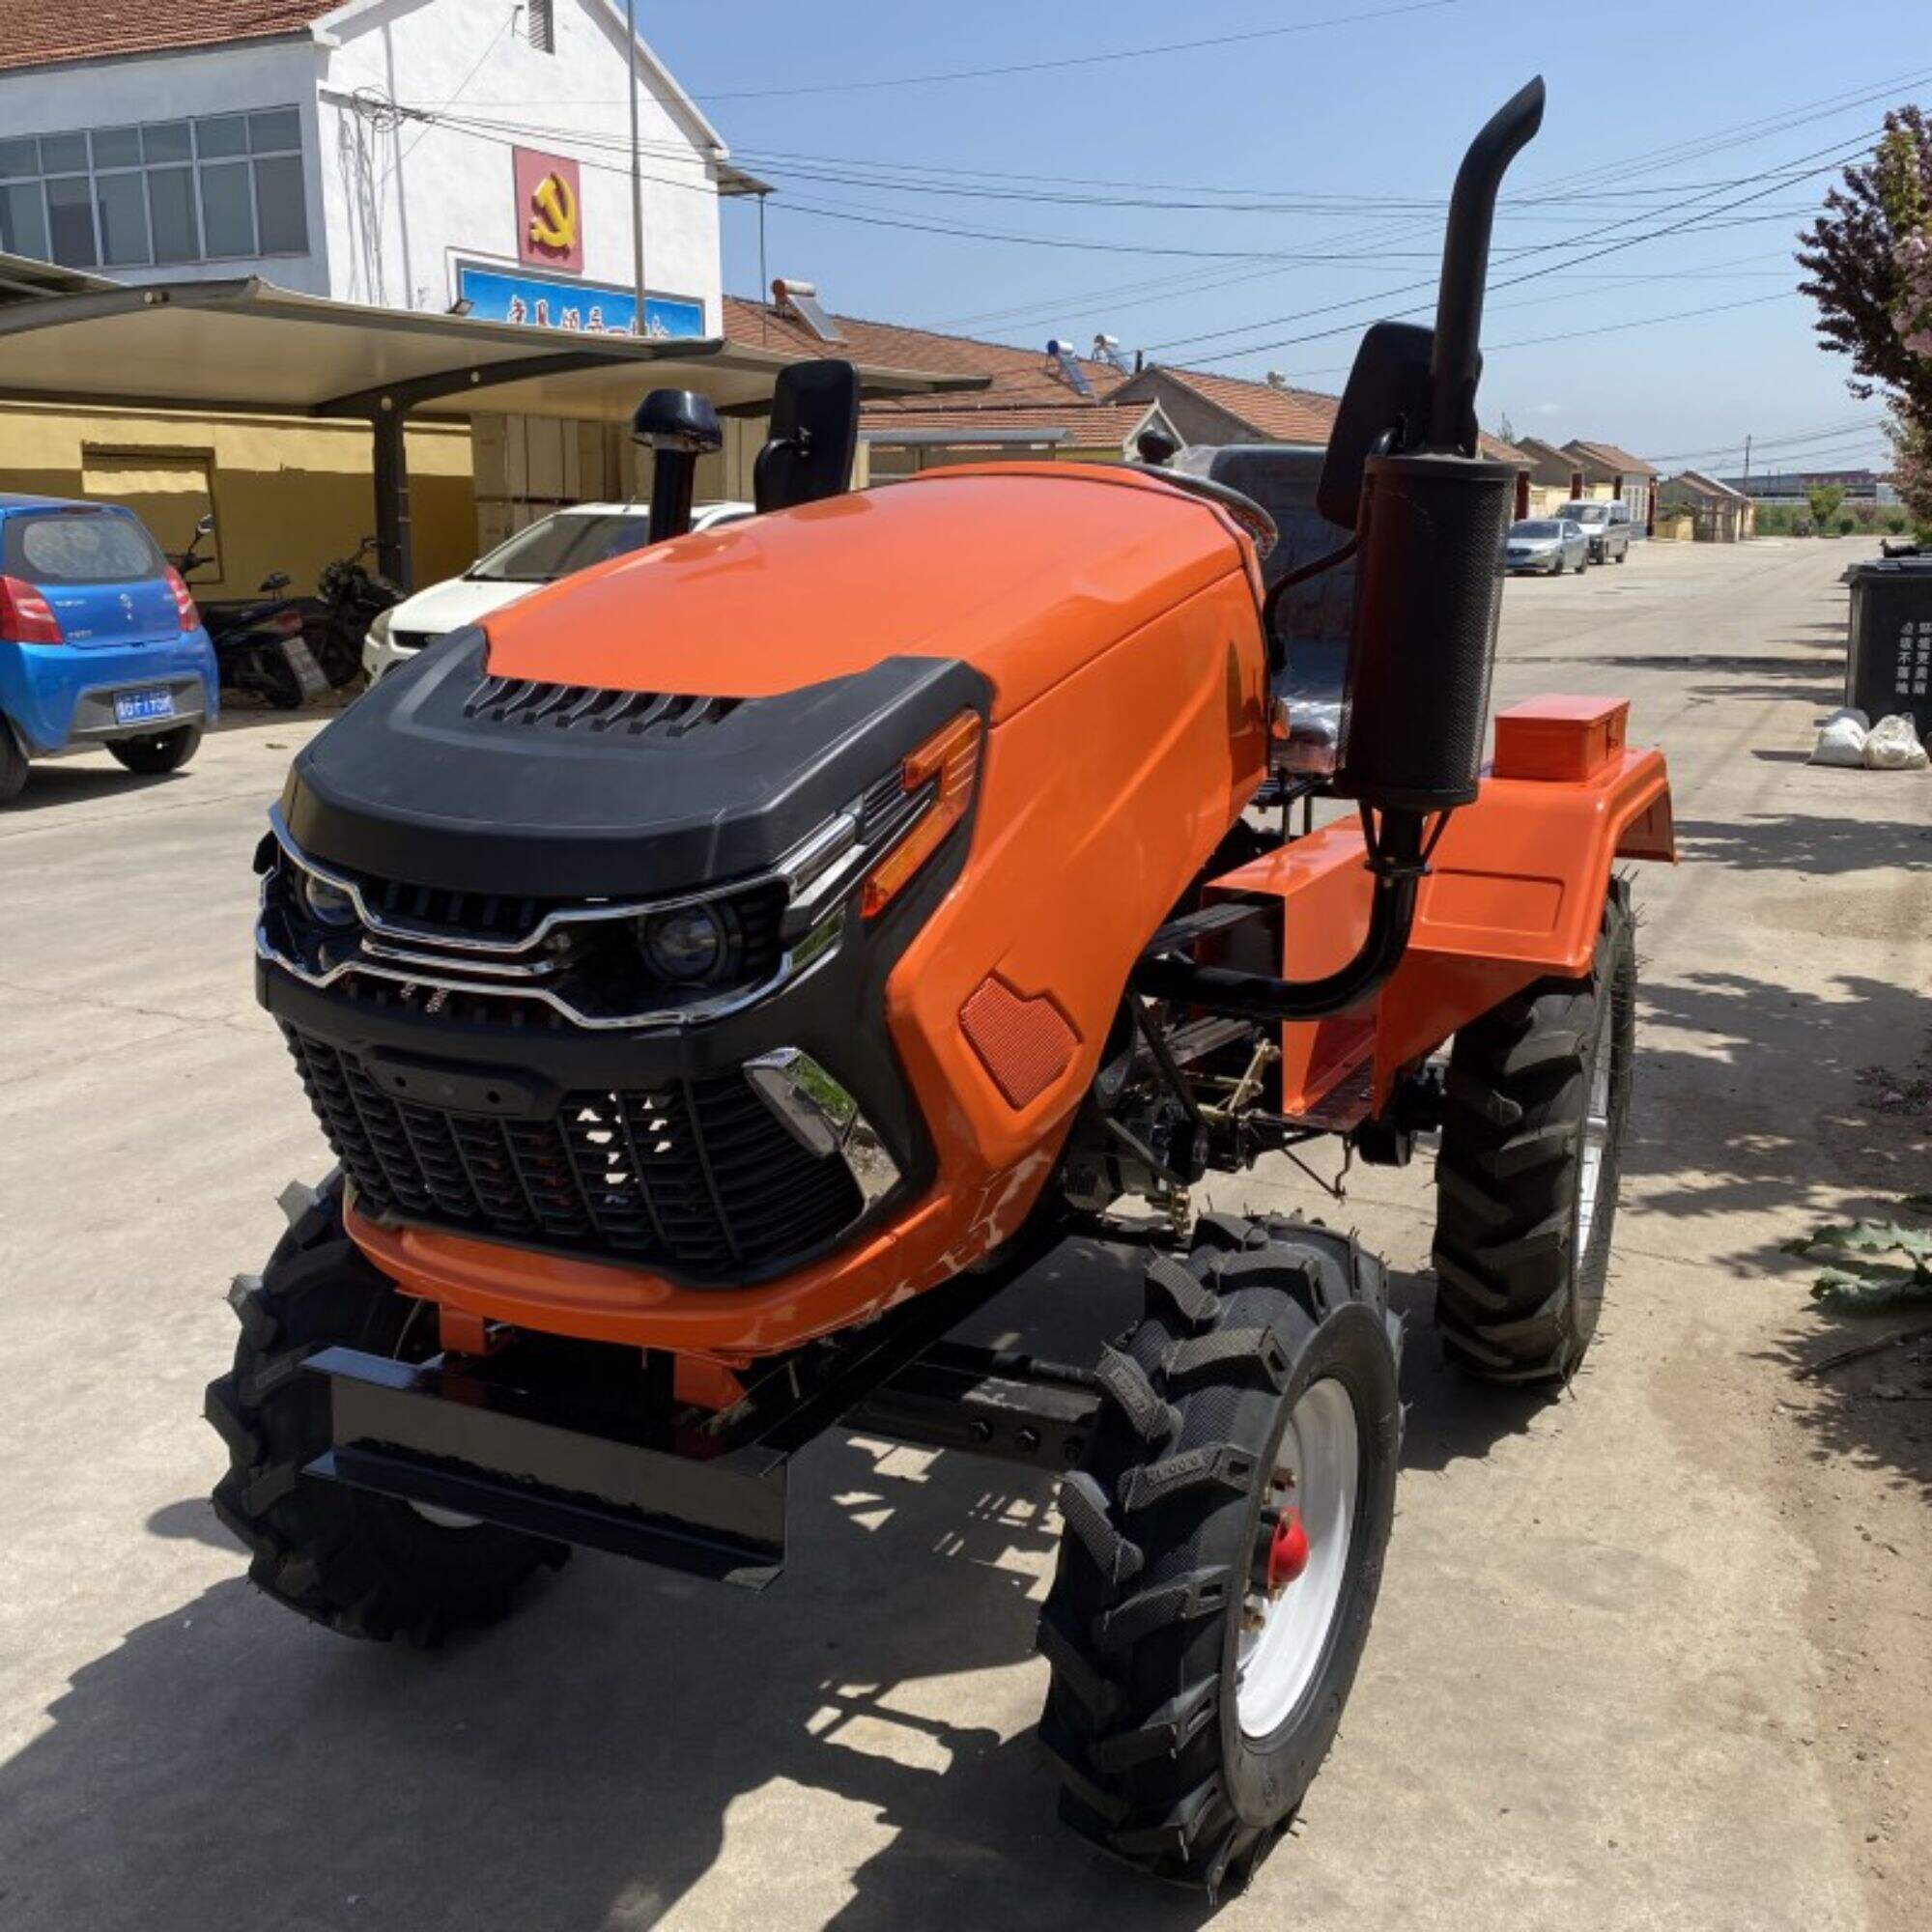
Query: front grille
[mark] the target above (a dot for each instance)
(631, 714)
(697, 1175)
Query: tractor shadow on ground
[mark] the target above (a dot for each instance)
(1447, 1418)
(584, 1765)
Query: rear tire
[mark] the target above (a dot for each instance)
(1537, 1102)
(160, 751)
(12, 766)
(362, 1564)
(275, 678)
(1185, 1733)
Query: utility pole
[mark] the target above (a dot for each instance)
(636, 180)
(1747, 443)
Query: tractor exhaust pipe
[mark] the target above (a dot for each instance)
(1456, 359)
(1429, 516)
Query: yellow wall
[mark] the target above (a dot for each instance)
(286, 495)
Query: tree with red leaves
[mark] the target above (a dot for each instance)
(1868, 263)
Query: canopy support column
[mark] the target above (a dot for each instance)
(393, 551)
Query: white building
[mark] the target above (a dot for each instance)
(399, 153)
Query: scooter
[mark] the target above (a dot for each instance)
(258, 640)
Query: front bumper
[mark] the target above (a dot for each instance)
(60, 698)
(382, 656)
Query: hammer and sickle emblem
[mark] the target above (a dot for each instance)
(554, 209)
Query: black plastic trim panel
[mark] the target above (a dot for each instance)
(414, 782)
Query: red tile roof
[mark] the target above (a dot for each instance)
(1027, 392)
(39, 31)
(1087, 425)
(1280, 415)
(1020, 376)
(1610, 457)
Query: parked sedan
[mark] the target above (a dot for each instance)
(554, 546)
(1550, 545)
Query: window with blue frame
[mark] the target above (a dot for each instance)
(206, 189)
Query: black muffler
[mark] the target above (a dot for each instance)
(1431, 516)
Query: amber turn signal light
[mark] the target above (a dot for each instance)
(948, 761)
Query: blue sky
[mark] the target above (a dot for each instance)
(1373, 107)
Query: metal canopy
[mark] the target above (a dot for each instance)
(245, 345)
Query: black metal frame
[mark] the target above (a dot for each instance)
(523, 1438)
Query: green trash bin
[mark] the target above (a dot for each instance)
(1889, 658)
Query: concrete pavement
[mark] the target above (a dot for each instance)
(1642, 1658)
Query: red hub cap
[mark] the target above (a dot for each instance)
(1287, 1551)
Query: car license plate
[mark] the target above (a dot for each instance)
(137, 707)
(302, 661)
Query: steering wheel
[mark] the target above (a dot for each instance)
(1244, 510)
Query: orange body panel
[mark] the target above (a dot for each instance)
(1129, 732)
(1116, 620)
(1027, 571)
(1515, 893)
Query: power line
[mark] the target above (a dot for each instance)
(1783, 174)
(1076, 60)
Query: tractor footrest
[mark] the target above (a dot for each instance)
(475, 1445)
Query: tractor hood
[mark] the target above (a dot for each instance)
(692, 711)
(1024, 571)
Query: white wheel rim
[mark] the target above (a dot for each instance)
(1596, 1128)
(1284, 1635)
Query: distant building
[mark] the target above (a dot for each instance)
(1606, 472)
(1789, 486)
(1719, 513)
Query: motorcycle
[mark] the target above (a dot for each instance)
(258, 640)
(350, 597)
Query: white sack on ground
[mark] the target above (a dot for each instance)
(1893, 746)
(1843, 738)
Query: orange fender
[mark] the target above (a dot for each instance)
(1515, 894)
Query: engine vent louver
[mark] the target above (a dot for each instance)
(585, 707)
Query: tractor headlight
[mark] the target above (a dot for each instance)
(325, 903)
(693, 944)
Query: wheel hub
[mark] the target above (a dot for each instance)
(1287, 1554)
(1300, 1558)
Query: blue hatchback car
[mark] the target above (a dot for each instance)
(100, 641)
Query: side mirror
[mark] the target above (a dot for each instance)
(680, 425)
(1387, 396)
(277, 581)
(815, 436)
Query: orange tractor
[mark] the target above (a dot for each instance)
(723, 973)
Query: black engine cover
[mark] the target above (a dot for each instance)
(446, 775)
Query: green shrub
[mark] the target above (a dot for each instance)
(1846, 525)
(1801, 528)
(1896, 524)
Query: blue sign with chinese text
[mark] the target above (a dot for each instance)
(590, 308)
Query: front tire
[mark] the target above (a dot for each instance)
(1537, 1102)
(158, 752)
(12, 766)
(360, 1564)
(1195, 1693)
